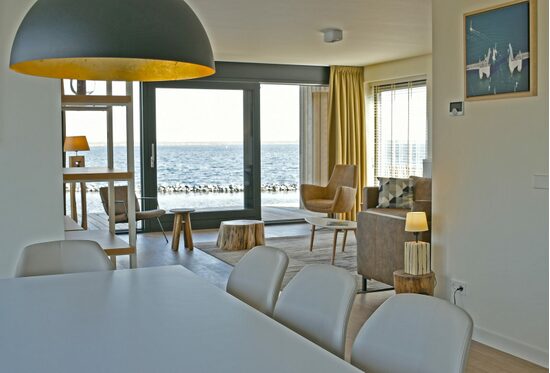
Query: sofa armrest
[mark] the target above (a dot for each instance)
(370, 198)
(424, 205)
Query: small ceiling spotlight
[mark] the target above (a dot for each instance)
(332, 35)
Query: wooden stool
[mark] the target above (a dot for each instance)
(420, 284)
(240, 234)
(182, 216)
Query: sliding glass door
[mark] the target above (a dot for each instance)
(200, 149)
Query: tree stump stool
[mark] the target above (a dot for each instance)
(240, 234)
(420, 284)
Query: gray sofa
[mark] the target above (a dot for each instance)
(381, 232)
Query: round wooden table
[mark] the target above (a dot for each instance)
(407, 283)
(182, 216)
(240, 234)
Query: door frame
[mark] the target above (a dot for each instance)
(251, 152)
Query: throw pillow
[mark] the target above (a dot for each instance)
(422, 188)
(395, 193)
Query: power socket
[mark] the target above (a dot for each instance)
(456, 284)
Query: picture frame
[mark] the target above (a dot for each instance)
(500, 51)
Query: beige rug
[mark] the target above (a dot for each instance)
(297, 249)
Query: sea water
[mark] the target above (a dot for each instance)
(206, 176)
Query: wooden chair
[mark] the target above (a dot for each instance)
(121, 207)
(338, 196)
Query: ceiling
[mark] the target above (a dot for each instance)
(289, 31)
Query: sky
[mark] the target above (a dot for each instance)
(201, 116)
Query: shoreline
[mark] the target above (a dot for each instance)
(205, 188)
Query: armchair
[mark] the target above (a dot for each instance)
(338, 196)
(121, 207)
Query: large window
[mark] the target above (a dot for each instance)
(280, 148)
(400, 129)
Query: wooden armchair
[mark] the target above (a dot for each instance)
(121, 209)
(337, 197)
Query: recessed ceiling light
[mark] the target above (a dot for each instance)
(332, 35)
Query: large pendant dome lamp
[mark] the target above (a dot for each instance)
(128, 40)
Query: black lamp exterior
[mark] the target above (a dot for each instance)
(144, 40)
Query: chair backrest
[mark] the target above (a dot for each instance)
(342, 175)
(121, 194)
(257, 277)
(415, 334)
(58, 257)
(316, 303)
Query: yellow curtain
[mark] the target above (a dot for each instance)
(347, 129)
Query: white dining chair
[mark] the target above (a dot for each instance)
(257, 277)
(316, 303)
(58, 257)
(415, 334)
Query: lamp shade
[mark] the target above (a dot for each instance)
(416, 222)
(126, 40)
(75, 144)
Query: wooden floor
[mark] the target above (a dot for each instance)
(269, 214)
(154, 251)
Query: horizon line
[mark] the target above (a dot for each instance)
(197, 143)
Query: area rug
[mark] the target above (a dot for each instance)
(297, 249)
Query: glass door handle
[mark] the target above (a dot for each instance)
(152, 159)
(247, 175)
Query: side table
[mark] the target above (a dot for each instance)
(240, 234)
(407, 283)
(182, 216)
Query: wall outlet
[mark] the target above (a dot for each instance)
(455, 284)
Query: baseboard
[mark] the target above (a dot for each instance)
(511, 346)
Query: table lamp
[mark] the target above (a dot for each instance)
(416, 222)
(76, 144)
(417, 254)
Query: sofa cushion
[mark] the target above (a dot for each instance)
(320, 205)
(395, 193)
(422, 188)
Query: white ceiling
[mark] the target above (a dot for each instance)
(288, 31)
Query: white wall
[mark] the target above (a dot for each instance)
(490, 226)
(408, 67)
(30, 151)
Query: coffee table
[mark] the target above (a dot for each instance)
(182, 216)
(336, 225)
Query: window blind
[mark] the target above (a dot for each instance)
(400, 129)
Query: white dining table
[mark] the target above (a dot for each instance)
(162, 319)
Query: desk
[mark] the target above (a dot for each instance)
(83, 174)
(110, 243)
(162, 319)
(71, 225)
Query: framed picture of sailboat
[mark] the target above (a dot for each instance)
(500, 51)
